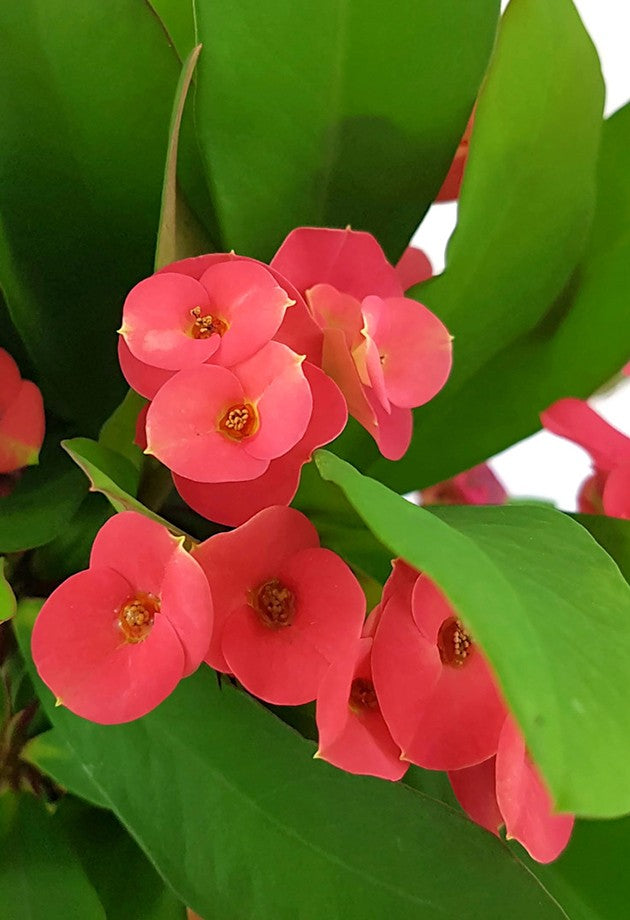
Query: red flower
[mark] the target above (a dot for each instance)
(285, 608)
(211, 424)
(374, 339)
(113, 641)
(435, 688)
(21, 418)
(352, 732)
(233, 503)
(413, 267)
(478, 486)
(508, 789)
(608, 489)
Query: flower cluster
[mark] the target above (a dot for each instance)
(250, 367)
(607, 490)
(285, 617)
(21, 422)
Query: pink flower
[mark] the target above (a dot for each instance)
(21, 418)
(285, 608)
(608, 489)
(478, 486)
(171, 320)
(214, 424)
(388, 354)
(233, 503)
(352, 732)
(435, 688)
(236, 287)
(508, 789)
(413, 267)
(452, 183)
(113, 641)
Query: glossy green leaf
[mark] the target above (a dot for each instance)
(581, 345)
(42, 502)
(252, 826)
(119, 431)
(7, 597)
(127, 884)
(40, 876)
(177, 21)
(51, 754)
(82, 146)
(109, 473)
(180, 234)
(545, 603)
(591, 878)
(334, 113)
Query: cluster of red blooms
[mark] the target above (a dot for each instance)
(250, 367)
(21, 423)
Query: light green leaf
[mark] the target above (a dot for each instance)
(40, 877)
(545, 603)
(105, 469)
(334, 113)
(252, 826)
(180, 234)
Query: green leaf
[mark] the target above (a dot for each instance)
(106, 469)
(180, 234)
(543, 600)
(591, 878)
(177, 21)
(119, 431)
(334, 113)
(580, 346)
(126, 882)
(69, 552)
(7, 597)
(51, 754)
(40, 877)
(252, 826)
(82, 146)
(611, 533)
(42, 502)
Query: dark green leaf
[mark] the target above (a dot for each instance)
(40, 877)
(119, 431)
(69, 552)
(83, 136)
(7, 598)
(545, 602)
(334, 113)
(242, 822)
(613, 534)
(125, 881)
(42, 502)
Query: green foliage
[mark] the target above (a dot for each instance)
(85, 130)
(544, 602)
(42, 502)
(40, 876)
(249, 815)
(7, 598)
(334, 113)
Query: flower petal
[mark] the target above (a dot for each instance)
(575, 420)
(10, 380)
(80, 656)
(616, 497)
(248, 298)
(22, 428)
(474, 788)
(351, 261)
(414, 348)
(143, 378)
(239, 561)
(525, 804)
(137, 548)
(182, 427)
(157, 321)
(413, 267)
(187, 605)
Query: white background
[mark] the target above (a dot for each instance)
(543, 465)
